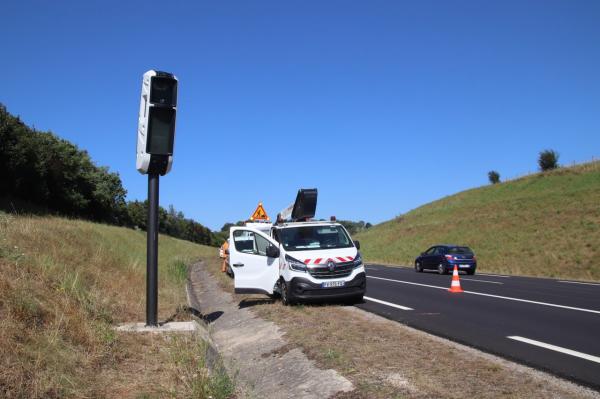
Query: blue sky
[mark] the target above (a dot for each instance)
(381, 105)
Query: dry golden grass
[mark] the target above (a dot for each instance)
(546, 224)
(64, 285)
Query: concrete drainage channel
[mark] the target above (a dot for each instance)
(250, 347)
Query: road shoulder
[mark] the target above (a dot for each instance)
(384, 358)
(255, 353)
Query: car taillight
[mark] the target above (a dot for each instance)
(474, 258)
(449, 257)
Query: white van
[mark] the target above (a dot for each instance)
(300, 261)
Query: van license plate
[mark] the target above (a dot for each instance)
(330, 284)
(463, 266)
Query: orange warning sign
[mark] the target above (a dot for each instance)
(259, 213)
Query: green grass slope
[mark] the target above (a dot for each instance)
(546, 224)
(64, 285)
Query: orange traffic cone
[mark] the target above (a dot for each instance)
(455, 286)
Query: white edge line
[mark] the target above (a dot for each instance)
(481, 281)
(493, 275)
(578, 282)
(494, 296)
(581, 355)
(387, 303)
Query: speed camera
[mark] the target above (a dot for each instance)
(156, 123)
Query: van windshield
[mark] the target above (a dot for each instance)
(305, 238)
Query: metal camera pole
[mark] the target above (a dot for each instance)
(154, 157)
(152, 252)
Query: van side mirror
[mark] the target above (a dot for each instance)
(357, 244)
(272, 251)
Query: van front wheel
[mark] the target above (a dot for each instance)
(285, 294)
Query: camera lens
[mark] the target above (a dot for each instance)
(163, 91)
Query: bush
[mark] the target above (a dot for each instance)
(548, 160)
(494, 177)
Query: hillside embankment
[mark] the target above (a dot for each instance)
(64, 285)
(545, 224)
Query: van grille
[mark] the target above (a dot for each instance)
(343, 269)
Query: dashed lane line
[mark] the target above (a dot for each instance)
(493, 275)
(508, 298)
(578, 282)
(481, 281)
(387, 303)
(555, 348)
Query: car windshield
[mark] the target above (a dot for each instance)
(305, 238)
(460, 250)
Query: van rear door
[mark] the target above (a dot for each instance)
(254, 271)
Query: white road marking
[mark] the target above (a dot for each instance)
(493, 275)
(581, 355)
(493, 296)
(481, 281)
(408, 282)
(578, 282)
(387, 303)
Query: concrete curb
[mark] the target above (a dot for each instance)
(213, 358)
(254, 351)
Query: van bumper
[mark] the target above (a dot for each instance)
(305, 290)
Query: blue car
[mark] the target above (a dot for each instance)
(444, 257)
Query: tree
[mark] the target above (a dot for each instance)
(354, 227)
(548, 160)
(226, 227)
(494, 177)
(54, 175)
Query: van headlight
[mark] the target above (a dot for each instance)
(295, 264)
(357, 262)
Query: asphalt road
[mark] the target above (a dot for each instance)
(553, 325)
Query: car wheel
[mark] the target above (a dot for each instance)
(418, 267)
(471, 272)
(441, 269)
(285, 295)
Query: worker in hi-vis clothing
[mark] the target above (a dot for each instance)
(224, 252)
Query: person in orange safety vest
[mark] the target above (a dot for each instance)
(224, 252)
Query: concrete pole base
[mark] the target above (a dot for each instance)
(171, 327)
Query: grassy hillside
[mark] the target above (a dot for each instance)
(546, 224)
(63, 285)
